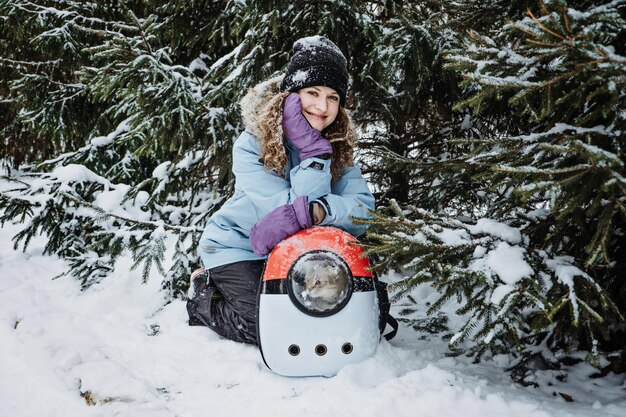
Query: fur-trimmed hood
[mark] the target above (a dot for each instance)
(253, 102)
(261, 111)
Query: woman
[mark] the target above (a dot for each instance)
(293, 169)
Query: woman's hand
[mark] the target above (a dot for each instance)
(299, 132)
(317, 212)
(279, 224)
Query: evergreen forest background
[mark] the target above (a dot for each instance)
(486, 127)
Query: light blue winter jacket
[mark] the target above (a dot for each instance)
(257, 192)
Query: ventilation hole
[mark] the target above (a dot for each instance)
(346, 348)
(294, 350)
(320, 350)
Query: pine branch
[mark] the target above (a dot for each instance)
(542, 26)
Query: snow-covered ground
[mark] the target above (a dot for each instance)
(115, 350)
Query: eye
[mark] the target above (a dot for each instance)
(334, 98)
(312, 92)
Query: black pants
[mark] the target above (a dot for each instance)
(228, 305)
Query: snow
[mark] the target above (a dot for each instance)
(226, 58)
(563, 127)
(118, 349)
(317, 41)
(111, 200)
(497, 229)
(578, 15)
(500, 293)
(102, 141)
(189, 159)
(508, 81)
(506, 261)
(453, 237)
(198, 64)
(565, 273)
(299, 76)
(479, 252)
(594, 150)
(538, 214)
(160, 172)
(77, 173)
(564, 270)
(467, 122)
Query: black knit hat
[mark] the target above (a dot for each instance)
(316, 61)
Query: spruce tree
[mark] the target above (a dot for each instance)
(538, 172)
(126, 126)
(404, 96)
(132, 110)
(564, 75)
(117, 121)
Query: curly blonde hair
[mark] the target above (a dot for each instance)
(340, 134)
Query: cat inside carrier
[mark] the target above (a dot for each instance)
(320, 307)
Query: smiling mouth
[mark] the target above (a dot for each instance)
(315, 116)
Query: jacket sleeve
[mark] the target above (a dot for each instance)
(267, 190)
(349, 197)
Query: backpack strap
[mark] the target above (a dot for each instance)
(394, 324)
(383, 306)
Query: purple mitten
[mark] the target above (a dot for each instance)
(309, 141)
(278, 224)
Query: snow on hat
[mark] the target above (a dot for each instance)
(316, 61)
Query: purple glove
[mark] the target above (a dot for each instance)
(278, 224)
(309, 141)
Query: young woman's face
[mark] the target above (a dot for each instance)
(320, 106)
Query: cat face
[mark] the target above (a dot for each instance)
(324, 282)
(320, 282)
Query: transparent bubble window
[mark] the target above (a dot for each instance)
(320, 283)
